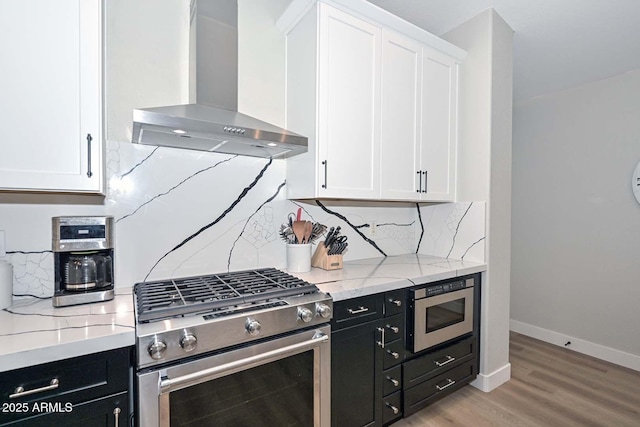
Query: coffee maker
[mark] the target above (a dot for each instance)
(83, 259)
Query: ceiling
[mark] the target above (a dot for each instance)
(558, 44)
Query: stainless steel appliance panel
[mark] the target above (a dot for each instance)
(442, 317)
(157, 387)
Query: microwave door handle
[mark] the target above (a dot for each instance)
(168, 385)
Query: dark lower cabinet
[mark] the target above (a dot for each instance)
(367, 349)
(355, 390)
(91, 390)
(111, 411)
(375, 380)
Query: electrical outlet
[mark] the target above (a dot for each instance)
(3, 249)
(373, 228)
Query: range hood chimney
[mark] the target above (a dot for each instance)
(213, 123)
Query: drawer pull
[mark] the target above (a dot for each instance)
(450, 382)
(393, 381)
(394, 354)
(397, 302)
(393, 329)
(20, 391)
(393, 408)
(446, 362)
(361, 309)
(116, 416)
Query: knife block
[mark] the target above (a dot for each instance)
(323, 260)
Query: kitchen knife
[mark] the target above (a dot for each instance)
(331, 239)
(329, 235)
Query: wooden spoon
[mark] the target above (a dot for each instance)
(299, 230)
(308, 228)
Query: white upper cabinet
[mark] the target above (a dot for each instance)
(400, 118)
(418, 121)
(51, 85)
(334, 102)
(376, 100)
(438, 126)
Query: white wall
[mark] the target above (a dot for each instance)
(484, 173)
(576, 224)
(261, 60)
(144, 66)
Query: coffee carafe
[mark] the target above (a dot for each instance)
(83, 260)
(87, 270)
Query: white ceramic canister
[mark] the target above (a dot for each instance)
(299, 257)
(6, 284)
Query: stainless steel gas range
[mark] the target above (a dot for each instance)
(241, 348)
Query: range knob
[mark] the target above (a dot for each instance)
(157, 349)
(252, 326)
(188, 342)
(323, 310)
(305, 314)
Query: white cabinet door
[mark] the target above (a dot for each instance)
(349, 100)
(50, 80)
(438, 125)
(400, 118)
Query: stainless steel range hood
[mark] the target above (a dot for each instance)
(213, 123)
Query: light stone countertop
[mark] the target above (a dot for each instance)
(370, 276)
(32, 331)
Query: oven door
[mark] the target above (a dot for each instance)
(280, 382)
(441, 318)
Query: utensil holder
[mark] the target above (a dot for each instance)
(323, 260)
(299, 257)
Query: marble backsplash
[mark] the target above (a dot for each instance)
(180, 213)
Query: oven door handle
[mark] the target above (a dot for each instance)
(171, 384)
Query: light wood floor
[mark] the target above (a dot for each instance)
(550, 386)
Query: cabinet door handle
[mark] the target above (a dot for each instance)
(419, 190)
(358, 311)
(449, 383)
(448, 360)
(393, 381)
(89, 139)
(324, 162)
(393, 329)
(393, 408)
(116, 416)
(381, 342)
(394, 354)
(20, 391)
(397, 302)
(425, 181)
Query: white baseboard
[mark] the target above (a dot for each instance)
(598, 351)
(493, 380)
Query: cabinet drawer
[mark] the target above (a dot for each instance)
(394, 302)
(357, 310)
(392, 380)
(69, 381)
(109, 411)
(391, 407)
(393, 328)
(431, 364)
(393, 354)
(425, 393)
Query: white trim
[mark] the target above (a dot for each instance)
(493, 380)
(598, 351)
(374, 15)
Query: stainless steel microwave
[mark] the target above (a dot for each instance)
(440, 312)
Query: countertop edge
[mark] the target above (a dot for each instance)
(55, 352)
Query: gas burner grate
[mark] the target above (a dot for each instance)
(169, 298)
